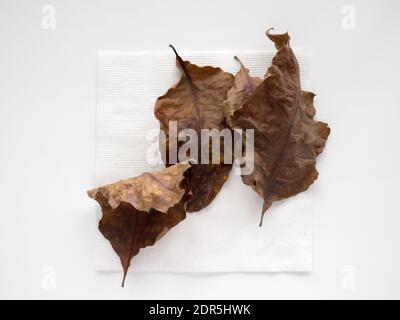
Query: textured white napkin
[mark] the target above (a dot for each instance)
(225, 236)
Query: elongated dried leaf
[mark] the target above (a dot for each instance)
(139, 211)
(287, 139)
(197, 102)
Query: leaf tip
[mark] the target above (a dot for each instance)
(261, 220)
(278, 39)
(124, 277)
(173, 48)
(92, 193)
(240, 62)
(266, 206)
(268, 31)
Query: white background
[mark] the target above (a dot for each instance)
(47, 104)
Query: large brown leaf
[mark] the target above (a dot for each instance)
(139, 211)
(197, 102)
(286, 138)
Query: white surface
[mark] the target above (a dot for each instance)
(224, 237)
(47, 105)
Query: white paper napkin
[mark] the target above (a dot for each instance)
(225, 236)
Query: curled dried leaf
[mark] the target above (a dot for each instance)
(197, 102)
(138, 211)
(286, 138)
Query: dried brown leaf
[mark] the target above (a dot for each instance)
(139, 211)
(197, 102)
(286, 138)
